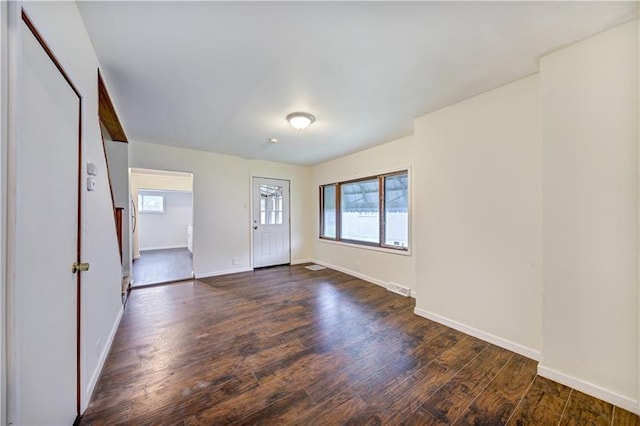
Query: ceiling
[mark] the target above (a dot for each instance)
(222, 76)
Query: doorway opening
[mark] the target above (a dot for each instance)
(162, 226)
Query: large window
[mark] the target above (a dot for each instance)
(360, 211)
(371, 211)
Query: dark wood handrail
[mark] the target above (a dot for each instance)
(117, 211)
(107, 112)
(118, 214)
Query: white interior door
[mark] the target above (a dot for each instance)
(270, 222)
(45, 333)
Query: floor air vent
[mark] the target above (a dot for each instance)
(398, 289)
(316, 267)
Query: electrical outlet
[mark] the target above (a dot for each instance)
(234, 261)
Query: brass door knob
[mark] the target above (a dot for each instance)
(79, 267)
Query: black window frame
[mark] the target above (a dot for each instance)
(381, 212)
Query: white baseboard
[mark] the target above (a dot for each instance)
(199, 275)
(589, 388)
(162, 248)
(356, 274)
(103, 357)
(482, 335)
(299, 261)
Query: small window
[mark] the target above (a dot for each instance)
(396, 210)
(370, 211)
(151, 202)
(328, 207)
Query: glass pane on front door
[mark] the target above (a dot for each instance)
(271, 205)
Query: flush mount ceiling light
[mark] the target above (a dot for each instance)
(300, 120)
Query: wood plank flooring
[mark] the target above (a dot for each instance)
(287, 345)
(161, 266)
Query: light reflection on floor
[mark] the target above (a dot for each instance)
(340, 318)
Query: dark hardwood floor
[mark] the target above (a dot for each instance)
(290, 346)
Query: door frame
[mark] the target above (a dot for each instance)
(134, 234)
(18, 16)
(251, 177)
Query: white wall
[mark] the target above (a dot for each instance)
(61, 25)
(589, 104)
(222, 201)
(161, 179)
(3, 207)
(118, 161)
(543, 171)
(168, 229)
(478, 215)
(374, 265)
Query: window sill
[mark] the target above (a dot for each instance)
(365, 247)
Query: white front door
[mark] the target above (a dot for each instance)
(43, 338)
(270, 222)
